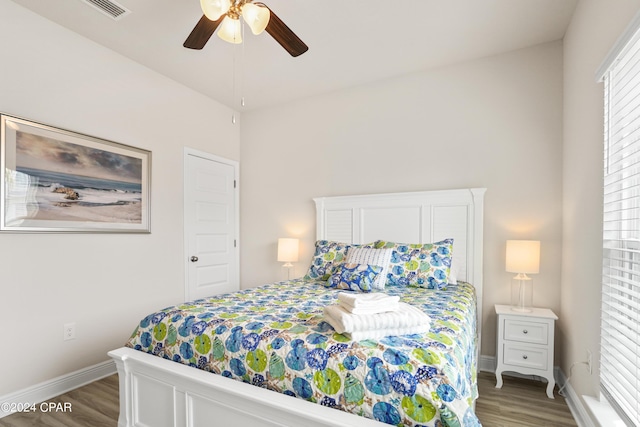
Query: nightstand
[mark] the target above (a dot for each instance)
(525, 343)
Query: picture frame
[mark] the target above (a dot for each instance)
(55, 180)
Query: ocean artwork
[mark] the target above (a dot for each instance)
(67, 197)
(55, 180)
(63, 181)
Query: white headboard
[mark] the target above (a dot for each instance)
(416, 217)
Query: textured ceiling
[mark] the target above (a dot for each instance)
(350, 42)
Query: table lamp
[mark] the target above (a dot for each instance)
(523, 257)
(288, 253)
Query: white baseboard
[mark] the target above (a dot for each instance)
(578, 410)
(487, 364)
(57, 386)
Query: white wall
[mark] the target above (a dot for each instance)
(104, 283)
(494, 122)
(595, 27)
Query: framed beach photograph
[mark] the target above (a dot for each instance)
(55, 180)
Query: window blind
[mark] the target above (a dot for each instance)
(620, 331)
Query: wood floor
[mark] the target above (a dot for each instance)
(520, 403)
(94, 405)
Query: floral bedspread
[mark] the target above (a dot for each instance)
(274, 337)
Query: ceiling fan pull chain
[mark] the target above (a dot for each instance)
(234, 72)
(242, 62)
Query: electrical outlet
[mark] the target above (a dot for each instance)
(589, 361)
(69, 331)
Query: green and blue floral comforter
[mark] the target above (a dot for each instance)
(274, 337)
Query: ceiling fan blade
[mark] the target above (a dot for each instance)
(202, 32)
(283, 35)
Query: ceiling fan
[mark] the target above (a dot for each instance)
(226, 15)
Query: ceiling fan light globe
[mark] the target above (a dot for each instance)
(214, 9)
(256, 17)
(230, 30)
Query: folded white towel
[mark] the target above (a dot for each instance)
(367, 300)
(374, 335)
(393, 306)
(406, 316)
(378, 333)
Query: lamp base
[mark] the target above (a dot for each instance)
(521, 293)
(288, 266)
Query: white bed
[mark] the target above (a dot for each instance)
(156, 392)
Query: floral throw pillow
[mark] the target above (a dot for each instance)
(326, 258)
(425, 265)
(371, 256)
(354, 277)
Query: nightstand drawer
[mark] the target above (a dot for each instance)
(525, 356)
(526, 331)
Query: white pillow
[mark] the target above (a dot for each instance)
(371, 256)
(453, 272)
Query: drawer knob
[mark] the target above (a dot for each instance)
(525, 357)
(524, 331)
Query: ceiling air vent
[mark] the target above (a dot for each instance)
(108, 7)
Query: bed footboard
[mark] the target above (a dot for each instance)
(158, 392)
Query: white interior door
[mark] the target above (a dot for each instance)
(211, 225)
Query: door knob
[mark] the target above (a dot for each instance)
(194, 259)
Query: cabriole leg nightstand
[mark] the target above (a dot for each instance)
(525, 344)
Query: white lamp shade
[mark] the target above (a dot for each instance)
(230, 30)
(214, 9)
(523, 256)
(256, 17)
(287, 250)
